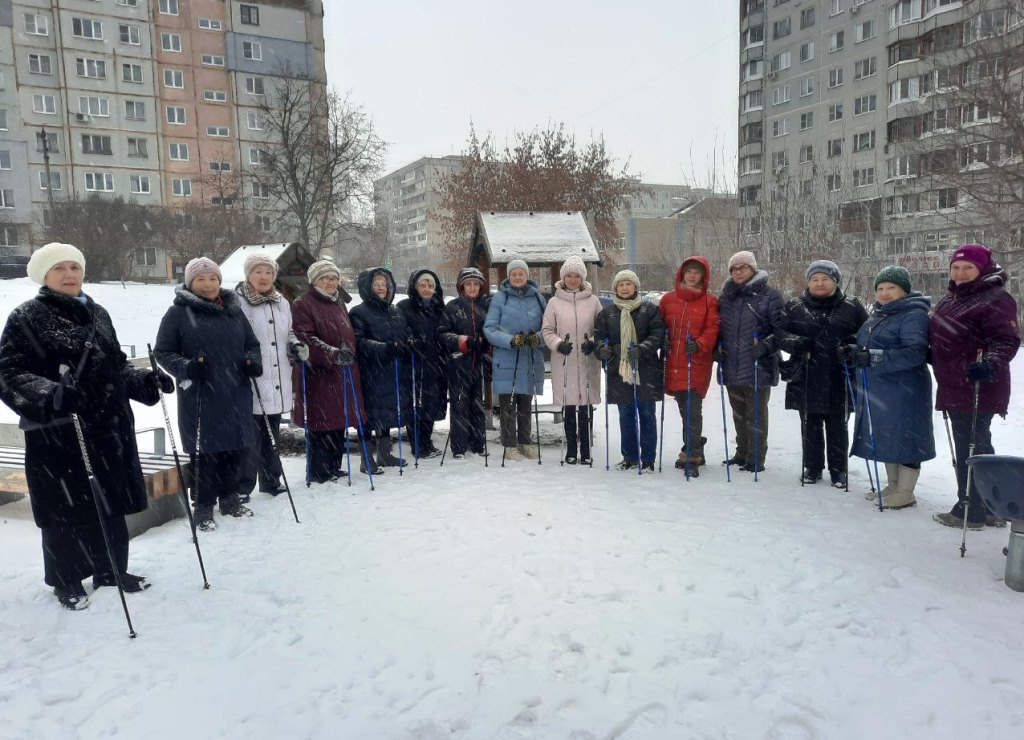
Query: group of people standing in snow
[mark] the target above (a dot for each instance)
(241, 358)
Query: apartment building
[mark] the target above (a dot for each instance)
(844, 111)
(156, 101)
(659, 200)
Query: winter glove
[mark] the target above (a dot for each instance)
(762, 349)
(803, 346)
(587, 347)
(197, 370)
(398, 347)
(604, 353)
(251, 369)
(297, 352)
(666, 343)
(161, 380)
(980, 371)
(519, 340)
(845, 353)
(533, 340)
(692, 347)
(477, 344)
(67, 397)
(718, 354)
(633, 353)
(344, 356)
(565, 348)
(862, 358)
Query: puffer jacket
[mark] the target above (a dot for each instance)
(690, 312)
(513, 311)
(271, 322)
(423, 318)
(649, 334)
(745, 309)
(573, 313)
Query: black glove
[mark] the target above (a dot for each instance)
(692, 347)
(762, 349)
(398, 347)
(980, 371)
(519, 340)
(344, 355)
(803, 345)
(533, 339)
(67, 397)
(161, 380)
(251, 369)
(633, 353)
(197, 370)
(861, 358)
(565, 348)
(666, 343)
(718, 354)
(604, 352)
(587, 346)
(297, 352)
(477, 344)
(845, 353)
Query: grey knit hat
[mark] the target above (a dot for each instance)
(824, 267)
(625, 276)
(517, 264)
(894, 274)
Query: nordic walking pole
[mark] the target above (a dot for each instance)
(483, 413)
(398, 407)
(725, 425)
(949, 438)
(970, 452)
(415, 416)
(846, 423)
(565, 383)
(803, 421)
(512, 400)
(273, 444)
(348, 451)
(346, 371)
(867, 464)
(177, 467)
(871, 433)
(607, 453)
(664, 392)
(689, 404)
(636, 411)
(536, 411)
(757, 411)
(305, 417)
(590, 407)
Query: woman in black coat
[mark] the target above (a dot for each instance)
(59, 355)
(812, 329)
(382, 344)
(207, 343)
(645, 331)
(462, 334)
(422, 309)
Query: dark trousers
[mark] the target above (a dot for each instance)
(577, 420)
(819, 427)
(423, 435)
(692, 439)
(961, 424)
(515, 418)
(326, 450)
(72, 553)
(215, 475)
(741, 398)
(261, 462)
(647, 449)
(467, 419)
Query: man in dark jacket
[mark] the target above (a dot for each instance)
(749, 311)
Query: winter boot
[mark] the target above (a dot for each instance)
(626, 465)
(72, 597)
(695, 458)
(810, 477)
(955, 517)
(838, 479)
(902, 495)
(204, 518)
(512, 453)
(892, 472)
(231, 506)
(131, 584)
(384, 456)
(528, 451)
(735, 460)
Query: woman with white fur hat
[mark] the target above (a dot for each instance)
(59, 355)
(569, 333)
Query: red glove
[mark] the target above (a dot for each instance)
(463, 343)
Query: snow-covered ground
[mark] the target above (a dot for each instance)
(531, 602)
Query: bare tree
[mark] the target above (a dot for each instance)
(321, 155)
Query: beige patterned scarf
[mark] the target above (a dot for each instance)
(627, 336)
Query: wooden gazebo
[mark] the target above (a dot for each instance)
(292, 261)
(542, 239)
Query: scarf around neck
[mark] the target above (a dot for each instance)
(254, 298)
(627, 336)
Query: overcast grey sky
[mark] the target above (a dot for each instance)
(658, 78)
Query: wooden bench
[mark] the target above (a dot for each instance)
(162, 485)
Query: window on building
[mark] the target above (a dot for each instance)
(129, 3)
(865, 68)
(51, 141)
(781, 28)
(806, 188)
(210, 24)
(835, 77)
(807, 51)
(212, 60)
(40, 64)
(86, 28)
(102, 182)
(139, 184)
(224, 201)
(176, 115)
(8, 236)
(130, 34)
(835, 40)
(174, 78)
(807, 17)
(249, 14)
(864, 31)
(753, 100)
(3, 119)
(782, 60)
(170, 41)
(137, 148)
(946, 198)
(780, 160)
(135, 110)
(169, 7)
(53, 182)
(780, 95)
(215, 96)
(96, 144)
(5, 159)
(834, 182)
(259, 190)
(44, 104)
(131, 72)
(7, 198)
(864, 141)
(252, 50)
(37, 25)
(219, 166)
(753, 36)
(753, 70)
(181, 187)
(257, 157)
(865, 104)
(902, 90)
(780, 127)
(806, 120)
(985, 25)
(254, 86)
(93, 105)
(217, 131)
(863, 177)
(806, 153)
(94, 68)
(255, 121)
(835, 148)
(901, 166)
(178, 152)
(264, 223)
(806, 86)
(904, 11)
(837, 7)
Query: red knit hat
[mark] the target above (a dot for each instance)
(977, 254)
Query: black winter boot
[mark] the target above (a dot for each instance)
(384, 456)
(231, 506)
(72, 596)
(204, 518)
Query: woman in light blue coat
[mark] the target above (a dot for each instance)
(513, 328)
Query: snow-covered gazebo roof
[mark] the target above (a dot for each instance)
(540, 238)
(292, 261)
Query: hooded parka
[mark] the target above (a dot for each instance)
(690, 312)
(423, 319)
(513, 311)
(753, 306)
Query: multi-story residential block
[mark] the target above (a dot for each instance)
(844, 132)
(157, 101)
(658, 200)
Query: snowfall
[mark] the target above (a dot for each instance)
(531, 601)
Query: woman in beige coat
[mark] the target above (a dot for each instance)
(575, 376)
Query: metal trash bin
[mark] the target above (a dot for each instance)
(1000, 483)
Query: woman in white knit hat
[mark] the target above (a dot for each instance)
(60, 355)
(270, 317)
(575, 379)
(206, 342)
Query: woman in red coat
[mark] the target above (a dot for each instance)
(321, 321)
(690, 314)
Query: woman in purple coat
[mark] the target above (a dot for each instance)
(974, 335)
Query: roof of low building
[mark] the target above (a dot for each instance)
(536, 237)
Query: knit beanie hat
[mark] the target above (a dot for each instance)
(256, 259)
(824, 267)
(469, 273)
(49, 255)
(626, 276)
(573, 265)
(977, 254)
(894, 274)
(199, 265)
(320, 269)
(743, 258)
(517, 264)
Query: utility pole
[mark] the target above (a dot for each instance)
(46, 166)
